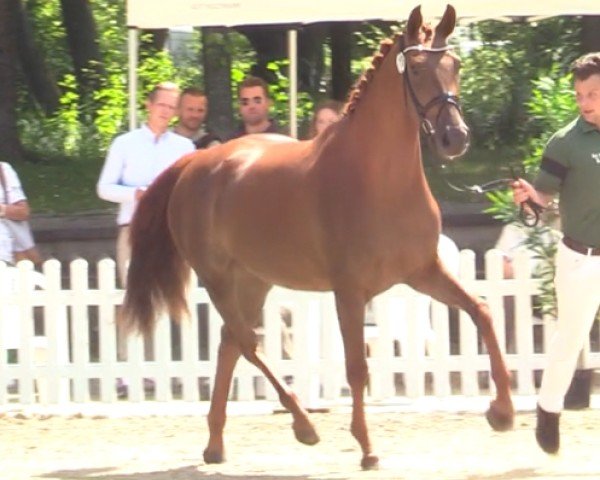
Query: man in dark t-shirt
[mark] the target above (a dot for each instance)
(192, 111)
(254, 105)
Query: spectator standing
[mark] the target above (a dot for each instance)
(133, 161)
(326, 113)
(254, 108)
(192, 111)
(136, 158)
(570, 167)
(13, 206)
(514, 238)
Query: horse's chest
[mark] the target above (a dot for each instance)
(386, 255)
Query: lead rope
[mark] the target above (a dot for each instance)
(528, 219)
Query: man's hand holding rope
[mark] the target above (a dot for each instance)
(531, 202)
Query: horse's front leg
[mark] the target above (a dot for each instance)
(501, 413)
(351, 308)
(228, 355)
(442, 286)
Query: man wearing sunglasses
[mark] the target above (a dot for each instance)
(254, 107)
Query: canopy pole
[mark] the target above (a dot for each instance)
(132, 44)
(293, 73)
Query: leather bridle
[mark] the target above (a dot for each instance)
(445, 98)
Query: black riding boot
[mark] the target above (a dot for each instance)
(546, 431)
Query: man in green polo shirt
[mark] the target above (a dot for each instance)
(570, 167)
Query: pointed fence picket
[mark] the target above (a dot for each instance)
(68, 348)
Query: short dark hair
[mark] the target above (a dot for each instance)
(168, 86)
(251, 81)
(586, 66)
(193, 91)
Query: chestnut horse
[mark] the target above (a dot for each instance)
(349, 211)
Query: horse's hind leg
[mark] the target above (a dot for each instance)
(240, 304)
(250, 296)
(228, 355)
(442, 286)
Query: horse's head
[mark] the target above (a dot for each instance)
(430, 72)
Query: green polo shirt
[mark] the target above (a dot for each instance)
(571, 167)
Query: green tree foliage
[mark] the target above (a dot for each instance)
(83, 128)
(499, 70)
(279, 92)
(552, 106)
(497, 79)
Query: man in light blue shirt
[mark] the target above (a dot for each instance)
(136, 158)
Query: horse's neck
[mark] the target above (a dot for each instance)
(384, 130)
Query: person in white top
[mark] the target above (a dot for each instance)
(136, 158)
(13, 206)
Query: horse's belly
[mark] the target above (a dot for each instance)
(283, 260)
(295, 271)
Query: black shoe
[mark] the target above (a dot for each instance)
(546, 430)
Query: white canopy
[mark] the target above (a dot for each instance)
(176, 13)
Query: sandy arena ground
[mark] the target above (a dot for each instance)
(412, 446)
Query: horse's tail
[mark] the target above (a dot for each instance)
(158, 274)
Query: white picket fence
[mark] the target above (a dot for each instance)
(58, 344)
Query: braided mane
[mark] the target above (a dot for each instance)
(425, 36)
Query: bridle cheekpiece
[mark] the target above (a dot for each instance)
(444, 98)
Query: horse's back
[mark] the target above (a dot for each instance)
(251, 201)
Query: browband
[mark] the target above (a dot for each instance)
(401, 60)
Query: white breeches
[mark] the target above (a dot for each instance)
(577, 283)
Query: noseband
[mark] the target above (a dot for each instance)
(446, 98)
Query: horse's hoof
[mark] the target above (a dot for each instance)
(213, 456)
(500, 421)
(370, 462)
(306, 433)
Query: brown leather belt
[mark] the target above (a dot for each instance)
(580, 247)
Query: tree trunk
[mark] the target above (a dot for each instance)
(82, 39)
(39, 78)
(590, 33)
(311, 58)
(341, 58)
(269, 43)
(11, 149)
(153, 41)
(216, 59)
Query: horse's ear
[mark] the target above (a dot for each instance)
(447, 23)
(415, 20)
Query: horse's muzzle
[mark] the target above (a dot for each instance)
(453, 141)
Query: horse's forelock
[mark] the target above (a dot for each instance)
(426, 34)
